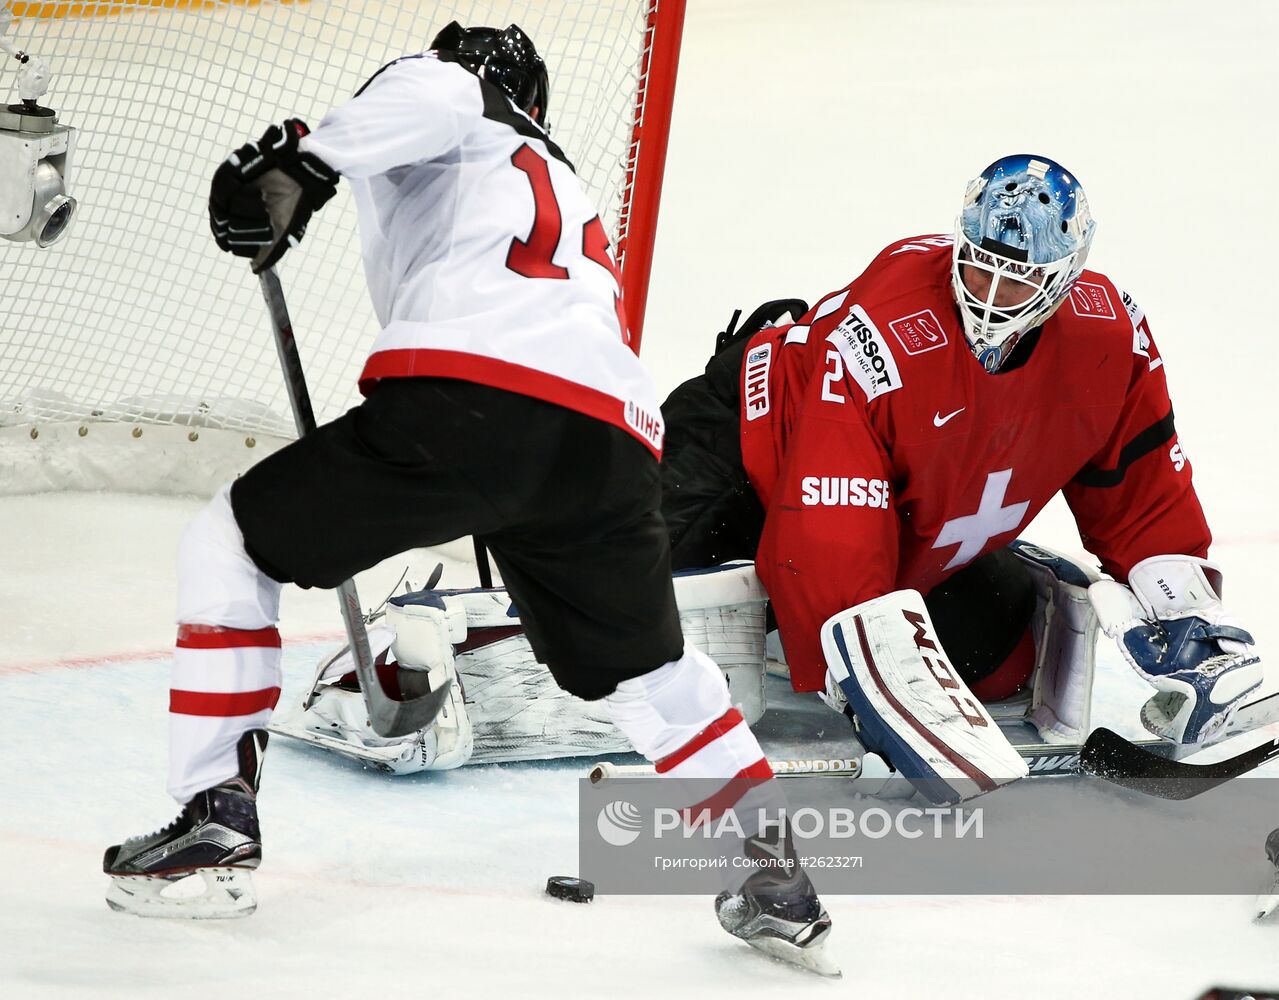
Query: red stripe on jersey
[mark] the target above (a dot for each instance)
(708, 735)
(217, 637)
(728, 796)
(966, 766)
(429, 361)
(222, 703)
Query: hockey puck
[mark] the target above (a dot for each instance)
(575, 890)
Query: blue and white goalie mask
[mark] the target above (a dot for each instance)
(1020, 243)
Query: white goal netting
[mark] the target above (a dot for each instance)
(135, 316)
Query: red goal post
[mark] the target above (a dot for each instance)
(135, 332)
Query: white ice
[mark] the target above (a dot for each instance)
(807, 136)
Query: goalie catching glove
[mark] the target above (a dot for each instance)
(1171, 627)
(263, 195)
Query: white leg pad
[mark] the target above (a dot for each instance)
(1065, 633)
(911, 705)
(424, 637)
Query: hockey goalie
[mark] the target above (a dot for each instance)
(879, 454)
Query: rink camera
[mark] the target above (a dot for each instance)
(35, 157)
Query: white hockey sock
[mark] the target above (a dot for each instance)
(679, 717)
(226, 666)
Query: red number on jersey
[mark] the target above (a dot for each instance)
(532, 257)
(595, 247)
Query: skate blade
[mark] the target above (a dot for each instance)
(207, 894)
(812, 957)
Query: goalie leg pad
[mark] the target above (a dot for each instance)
(416, 645)
(225, 678)
(426, 627)
(911, 706)
(1065, 632)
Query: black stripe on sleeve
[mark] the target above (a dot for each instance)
(1157, 434)
(498, 108)
(364, 86)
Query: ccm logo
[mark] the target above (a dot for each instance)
(941, 671)
(841, 491)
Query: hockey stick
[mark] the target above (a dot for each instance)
(849, 767)
(482, 564)
(388, 716)
(1108, 755)
(1045, 760)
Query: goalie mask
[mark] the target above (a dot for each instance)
(505, 58)
(1020, 243)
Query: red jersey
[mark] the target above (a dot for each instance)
(887, 457)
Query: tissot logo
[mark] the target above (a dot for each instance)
(866, 354)
(843, 491)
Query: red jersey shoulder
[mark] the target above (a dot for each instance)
(1098, 312)
(900, 307)
(1094, 300)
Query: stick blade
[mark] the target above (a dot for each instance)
(390, 718)
(1108, 755)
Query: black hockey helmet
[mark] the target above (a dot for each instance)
(505, 58)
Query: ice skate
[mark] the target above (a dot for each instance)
(199, 865)
(781, 915)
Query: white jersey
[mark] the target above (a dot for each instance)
(485, 259)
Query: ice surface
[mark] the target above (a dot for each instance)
(806, 137)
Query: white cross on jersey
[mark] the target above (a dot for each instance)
(973, 531)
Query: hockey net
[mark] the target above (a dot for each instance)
(135, 322)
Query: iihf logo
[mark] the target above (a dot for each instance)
(619, 823)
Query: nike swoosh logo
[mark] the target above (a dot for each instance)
(938, 419)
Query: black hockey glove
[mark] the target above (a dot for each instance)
(264, 193)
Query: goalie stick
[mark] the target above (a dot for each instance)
(388, 716)
(1045, 760)
(1111, 757)
(1108, 755)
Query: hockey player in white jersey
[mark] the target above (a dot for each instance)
(502, 401)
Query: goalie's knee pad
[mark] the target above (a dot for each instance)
(1065, 632)
(218, 583)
